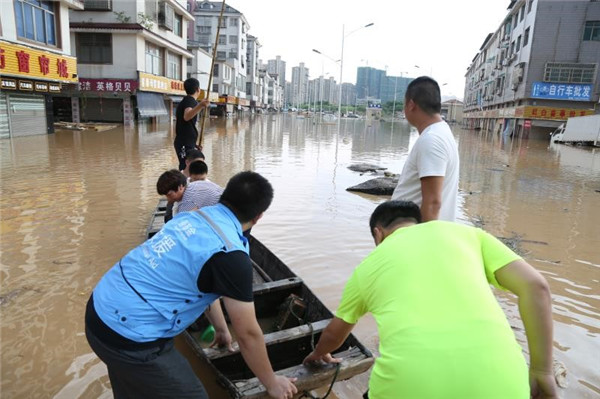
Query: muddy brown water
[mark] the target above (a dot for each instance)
(74, 202)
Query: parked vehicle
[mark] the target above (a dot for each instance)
(580, 129)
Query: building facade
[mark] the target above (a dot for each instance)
(36, 66)
(148, 81)
(231, 47)
(375, 83)
(299, 87)
(537, 69)
(253, 78)
(452, 111)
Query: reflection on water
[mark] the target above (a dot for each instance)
(74, 202)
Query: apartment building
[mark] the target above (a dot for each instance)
(132, 57)
(36, 66)
(299, 87)
(252, 74)
(231, 47)
(537, 69)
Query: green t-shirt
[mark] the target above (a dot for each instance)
(442, 333)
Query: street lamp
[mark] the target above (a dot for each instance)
(344, 36)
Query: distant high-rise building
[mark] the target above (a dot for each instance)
(277, 67)
(299, 84)
(374, 83)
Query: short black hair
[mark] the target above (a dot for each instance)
(190, 155)
(170, 180)
(198, 168)
(247, 194)
(394, 211)
(425, 92)
(191, 85)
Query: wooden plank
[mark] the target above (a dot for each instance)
(354, 362)
(260, 271)
(277, 285)
(272, 338)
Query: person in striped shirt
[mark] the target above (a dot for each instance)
(189, 196)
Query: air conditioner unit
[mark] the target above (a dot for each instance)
(166, 15)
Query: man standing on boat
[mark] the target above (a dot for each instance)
(186, 133)
(430, 175)
(442, 333)
(161, 287)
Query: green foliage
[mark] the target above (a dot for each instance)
(146, 21)
(121, 17)
(388, 107)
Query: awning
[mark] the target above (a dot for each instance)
(151, 104)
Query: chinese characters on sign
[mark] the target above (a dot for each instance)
(26, 62)
(149, 82)
(562, 91)
(108, 85)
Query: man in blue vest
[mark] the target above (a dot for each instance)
(159, 288)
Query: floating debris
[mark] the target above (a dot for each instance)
(377, 186)
(365, 167)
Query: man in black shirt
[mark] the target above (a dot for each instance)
(186, 133)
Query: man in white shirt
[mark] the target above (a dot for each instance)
(430, 175)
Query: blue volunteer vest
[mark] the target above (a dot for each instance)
(152, 291)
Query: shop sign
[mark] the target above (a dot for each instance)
(108, 85)
(23, 61)
(160, 84)
(25, 85)
(555, 113)
(54, 87)
(9, 84)
(41, 86)
(527, 124)
(562, 91)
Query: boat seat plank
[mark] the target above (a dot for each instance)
(277, 285)
(354, 362)
(272, 338)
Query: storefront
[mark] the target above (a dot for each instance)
(156, 95)
(105, 100)
(30, 79)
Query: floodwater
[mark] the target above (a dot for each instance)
(74, 202)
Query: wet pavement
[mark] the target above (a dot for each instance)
(74, 202)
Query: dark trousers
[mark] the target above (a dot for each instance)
(160, 372)
(181, 150)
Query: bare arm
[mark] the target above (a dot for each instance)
(431, 191)
(215, 315)
(332, 338)
(252, 345)
(535, 309)
(190, 112)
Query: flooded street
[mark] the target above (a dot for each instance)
(74, 202)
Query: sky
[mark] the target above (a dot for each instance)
(441, 37)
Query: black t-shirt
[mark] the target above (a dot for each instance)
(186, 133)
(224, 274)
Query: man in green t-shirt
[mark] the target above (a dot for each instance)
(442, 333)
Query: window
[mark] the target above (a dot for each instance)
(221, 55)
(515, 18)
(569, 73)
(512, 48)
(36, 21)
(526, 37)
(224, 23)
(177, 25)
(215, 87)
(97, 5)
(154, 59)
(529, 6)
(94, 48)
(233, 54)
(216, 70)
(222, 39)
(233, 39)
(521, 13)
(592, 30)
(233, 21)
(173, 66)
(518, 43)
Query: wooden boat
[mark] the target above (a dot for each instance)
(292, 319)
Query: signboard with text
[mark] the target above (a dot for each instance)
(108, 85)
(562, 91)
(160, 84)
(27, 62)
(29, 85)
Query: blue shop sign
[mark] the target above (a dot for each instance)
(562, 91)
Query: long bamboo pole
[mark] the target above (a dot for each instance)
(212, 68)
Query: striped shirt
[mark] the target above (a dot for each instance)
(198, 194)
